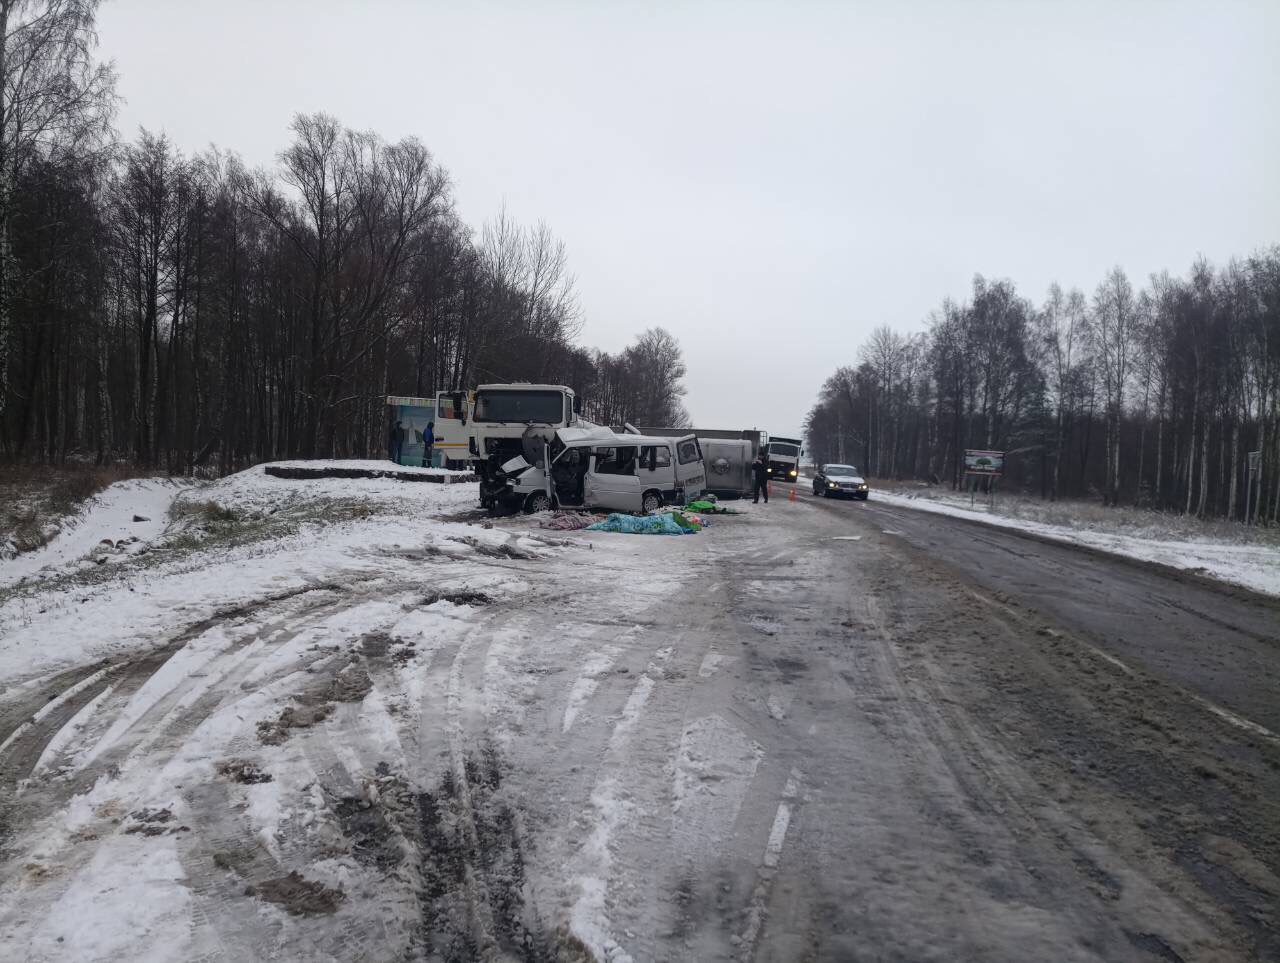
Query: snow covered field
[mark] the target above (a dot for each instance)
(1250, 560)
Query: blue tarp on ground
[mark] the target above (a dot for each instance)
(663, 524)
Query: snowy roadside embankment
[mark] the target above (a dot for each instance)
(1254, 566)
(109, 515)
(253, 490)
(210, 548)
(303, 684)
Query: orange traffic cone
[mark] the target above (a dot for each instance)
(792, 496)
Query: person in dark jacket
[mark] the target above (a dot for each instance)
(395, 442)
(760, 479)
(428, 443)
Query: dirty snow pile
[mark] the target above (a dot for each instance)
(1254, 565)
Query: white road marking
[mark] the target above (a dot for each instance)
(588, 916)
(1106, 657)
(846, 538)
(772, 855)
(781, 821)
(1248, 725)
(585, 685)
(1226, 715)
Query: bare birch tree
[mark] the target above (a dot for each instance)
(53, 98)
(1112, 331)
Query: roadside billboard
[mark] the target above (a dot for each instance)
(983, 462)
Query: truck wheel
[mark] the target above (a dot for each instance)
(537, 502)
(651, 503)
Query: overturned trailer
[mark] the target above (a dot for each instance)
(728, 454)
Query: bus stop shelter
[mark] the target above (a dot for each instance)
(410, 416)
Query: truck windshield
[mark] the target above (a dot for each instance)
(777, 448)
(537, 406)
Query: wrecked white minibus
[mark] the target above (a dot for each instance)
(592, 467)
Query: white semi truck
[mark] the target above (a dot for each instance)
(490, 426)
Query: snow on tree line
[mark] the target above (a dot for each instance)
(1150, 397)
(188, 311)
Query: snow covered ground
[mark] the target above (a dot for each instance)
(167, 718)
(1254, 564)
(277, 535)
(335, 719)
(373, 465)
(108, 515)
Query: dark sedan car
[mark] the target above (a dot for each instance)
(839, 480)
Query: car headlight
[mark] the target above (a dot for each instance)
(832, 485)
(862, 487)
(793, 474)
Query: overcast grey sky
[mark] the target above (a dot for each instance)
(769, 181)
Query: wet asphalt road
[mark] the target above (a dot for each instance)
(1068, 756)
(970, 746)
(1220, 643)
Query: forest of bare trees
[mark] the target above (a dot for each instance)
(186, 311)
(1152, 397)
